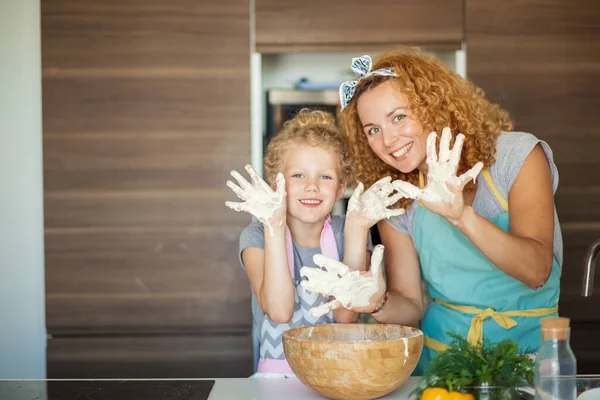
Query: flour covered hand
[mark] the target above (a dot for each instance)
(259, 199)
(443, 168)
(372, 204)
(350, 288)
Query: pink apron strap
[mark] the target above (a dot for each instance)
(272, 366)
(329, 249)
(328, 245)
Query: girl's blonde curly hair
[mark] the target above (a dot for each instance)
(309, 128)
(437, 97)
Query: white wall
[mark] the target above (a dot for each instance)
(283, 70)
(22, 307)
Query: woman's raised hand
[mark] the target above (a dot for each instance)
(443, 194)
(259, 199)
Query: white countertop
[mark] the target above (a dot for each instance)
(283, 389)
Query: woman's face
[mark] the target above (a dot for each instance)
(392, 131)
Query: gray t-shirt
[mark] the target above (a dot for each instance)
(253, 236)
(512, 148)
(269, 332)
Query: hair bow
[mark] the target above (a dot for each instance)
(362, 69)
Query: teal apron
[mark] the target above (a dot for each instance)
(470, 295)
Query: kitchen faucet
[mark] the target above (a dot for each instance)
(590, 268)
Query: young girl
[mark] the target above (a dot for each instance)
(308, 165)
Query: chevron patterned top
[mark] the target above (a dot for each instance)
(269, 332)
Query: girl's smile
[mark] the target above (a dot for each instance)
(310, 202)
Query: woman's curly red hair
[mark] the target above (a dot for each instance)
(438, 97)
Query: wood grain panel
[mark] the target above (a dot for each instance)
(578, 204)
(179, 35)
(543, 91)
(146, 109)
(361, 48)
(191, 356)
(145, 279)
(151, 105)
(126, 314)
(541, 61)
(142, 208)
(119, 161)
(583, 333)
(339, 25)
(578, 173)
(579, 235)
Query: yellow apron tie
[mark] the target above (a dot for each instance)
(434, 344)
(488, 179)
(475, 335)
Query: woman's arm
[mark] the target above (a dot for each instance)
(270, 276)
(526, 253)
(403, 276)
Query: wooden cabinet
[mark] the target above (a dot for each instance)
(349, 25)
(149, 356)
(541, 61)
(146, 111)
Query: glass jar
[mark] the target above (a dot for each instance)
(487, 392)
(555, 364)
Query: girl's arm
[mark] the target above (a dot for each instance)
(526, 252)
(267, 269)
(270, 276)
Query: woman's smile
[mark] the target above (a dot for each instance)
(402, 152)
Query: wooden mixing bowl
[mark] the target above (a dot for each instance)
(353, 361)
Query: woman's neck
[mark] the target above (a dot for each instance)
(305, 235)
(422, 171)
(423, 168)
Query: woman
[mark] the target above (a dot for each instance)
(491, 256)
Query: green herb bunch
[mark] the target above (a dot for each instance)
(464, 365)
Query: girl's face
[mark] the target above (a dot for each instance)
(312, 183)
(392, 133)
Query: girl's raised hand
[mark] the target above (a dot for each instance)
(259, 199)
